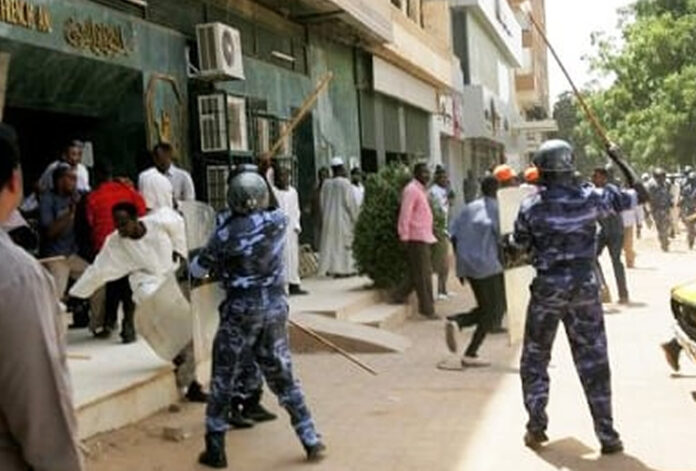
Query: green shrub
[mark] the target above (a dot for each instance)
(378, 252)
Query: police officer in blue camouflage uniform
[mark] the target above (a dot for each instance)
(246, 253)
(687, 207)
(245, 406)
(558, 226)
(660, 206)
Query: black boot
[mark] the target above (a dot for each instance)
(236, 419)
(296, 290)
(315, 452)
(128, 327)
(612, 448)
(253, 410)
(80, 313)
(672, 349)
(535, 440)
(195, 393)
(214, 454)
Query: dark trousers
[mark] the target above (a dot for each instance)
(119, 293)
(420, 277)
(490, 297)
(615, 245)
(571, 299)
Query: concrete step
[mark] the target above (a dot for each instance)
(350, 336)
(116, 385)
(338, 299)
(382, 316)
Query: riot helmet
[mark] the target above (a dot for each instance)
(688, 170)
(555, 160)
(248, 191)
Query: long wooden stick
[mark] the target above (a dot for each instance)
(599, 130)
(304, 109)
(333, 347)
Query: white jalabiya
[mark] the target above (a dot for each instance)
(156, 189)
(289, 203)
(147, 261)
(339, 211)
(359, 192)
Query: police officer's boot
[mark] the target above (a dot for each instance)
(214, 454)
(535, 440)
(253, 410)
(315, 452)
(236, 419)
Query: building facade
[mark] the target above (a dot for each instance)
(532, 78)
(412, 80)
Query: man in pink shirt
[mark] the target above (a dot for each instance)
(416, 231)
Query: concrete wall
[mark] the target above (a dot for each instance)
(282, 89)
(484, 57)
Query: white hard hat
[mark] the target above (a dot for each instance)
(337, 162)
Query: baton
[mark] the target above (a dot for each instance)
(599, 130)
(350, 357)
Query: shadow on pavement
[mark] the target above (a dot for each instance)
(572, 455)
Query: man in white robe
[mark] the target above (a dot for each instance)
(356, 178)
(149, 251)
(340, 213)
(157, 190)
(289, 203)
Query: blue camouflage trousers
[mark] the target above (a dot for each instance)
(249, 381)
(255, 323)
(570, 297)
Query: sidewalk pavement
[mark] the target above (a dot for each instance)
(413, 417)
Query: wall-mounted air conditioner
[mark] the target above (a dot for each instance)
(219, 52)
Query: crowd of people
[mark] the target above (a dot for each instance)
(108, 248)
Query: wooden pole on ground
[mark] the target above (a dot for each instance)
(350, 357)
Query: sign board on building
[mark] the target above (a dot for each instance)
(26, 14)
(102, 39)
(392, 81)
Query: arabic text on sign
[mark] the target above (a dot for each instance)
(25, 14)
(100, 38)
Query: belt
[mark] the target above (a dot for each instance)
(255, 291)
(580, 265)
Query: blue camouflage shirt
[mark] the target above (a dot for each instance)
(559, 224)
(246, 252)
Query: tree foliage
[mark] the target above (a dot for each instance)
(376, 247)
(650, 109)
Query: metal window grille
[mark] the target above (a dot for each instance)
(213, 123)
(216, 177)
(237, 124)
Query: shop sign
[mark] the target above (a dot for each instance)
(102, 39)
(26, 15)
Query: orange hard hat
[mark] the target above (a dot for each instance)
(504, 173)
(531, 175)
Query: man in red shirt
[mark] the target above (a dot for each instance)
(100, 203)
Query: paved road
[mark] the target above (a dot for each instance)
(415, 417)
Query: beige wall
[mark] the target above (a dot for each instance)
(532, 79)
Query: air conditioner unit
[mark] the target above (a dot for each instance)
(219, 52)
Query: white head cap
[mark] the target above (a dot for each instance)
(337, 162)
